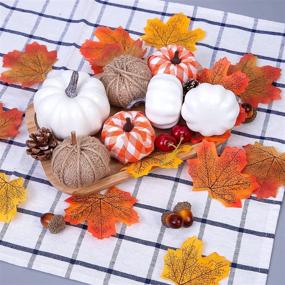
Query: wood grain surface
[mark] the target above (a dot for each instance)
(117, 175)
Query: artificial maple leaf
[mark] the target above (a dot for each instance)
(10, 122)
(28, 67)
(174, 31)
(221, 176)
(11, 194)
(110, 44)
(102, 211)
(241, 116)
(268, 166)
(219, 139)
(187, 266)
(158, 159)
(260, 88)
(236, 81)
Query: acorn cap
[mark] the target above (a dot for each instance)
(56, 224)
(164, 217)
(182, 206)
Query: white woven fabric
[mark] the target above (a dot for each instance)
(135, 255)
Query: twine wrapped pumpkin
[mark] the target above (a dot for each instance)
(79, 162)
(126, 79)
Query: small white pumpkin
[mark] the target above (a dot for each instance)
(210, 109)
(164, 100)
(73, 101)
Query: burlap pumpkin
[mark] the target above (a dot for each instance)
(79, 162)
(126, 78)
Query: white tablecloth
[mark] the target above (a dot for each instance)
(135, 255)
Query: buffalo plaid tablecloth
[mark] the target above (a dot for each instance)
(135, 255)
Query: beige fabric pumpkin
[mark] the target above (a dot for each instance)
(79, 162)
(126, 78)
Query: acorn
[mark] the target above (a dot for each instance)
(171, 220)
(183, 209)
(54, 223)
(250, 112)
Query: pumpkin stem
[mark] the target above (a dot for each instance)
(73, 138)
(70, 90)
(128, 125)
(176, 59)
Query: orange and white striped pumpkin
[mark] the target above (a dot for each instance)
(128, 136)
(175, 60)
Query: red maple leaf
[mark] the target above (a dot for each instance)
(10, 122)
(260, 88)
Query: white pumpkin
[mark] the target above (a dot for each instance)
(73, 101)
(210, 109)
(164, 100)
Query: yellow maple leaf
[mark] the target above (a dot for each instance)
(157, 159)
(11, 194)
(187, 266)
(174, 31)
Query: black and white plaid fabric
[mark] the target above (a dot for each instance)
(135, 255)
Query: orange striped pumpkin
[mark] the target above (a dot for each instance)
(175, 60)
(128, 136)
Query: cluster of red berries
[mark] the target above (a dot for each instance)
(181, 216)
(179, 134)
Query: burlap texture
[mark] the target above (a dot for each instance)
(81, 164)
(125, 79)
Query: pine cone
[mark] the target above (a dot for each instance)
(41, 144)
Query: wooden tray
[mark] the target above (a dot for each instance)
(117, 174)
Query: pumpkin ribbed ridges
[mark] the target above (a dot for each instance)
(81, 164)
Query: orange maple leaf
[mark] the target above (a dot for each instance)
(28, 67)
(219, 139)
(260, 88)
(10, 122)
(241, 116)
(268, 166)
(236, 82)
(110, 44)
(221, 175)
(102, 211)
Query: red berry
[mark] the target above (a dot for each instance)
(196, 138)
(182, 133)
(165, 142)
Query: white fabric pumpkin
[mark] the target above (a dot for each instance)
(164, 100)
(73, 101)
(210, 109)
